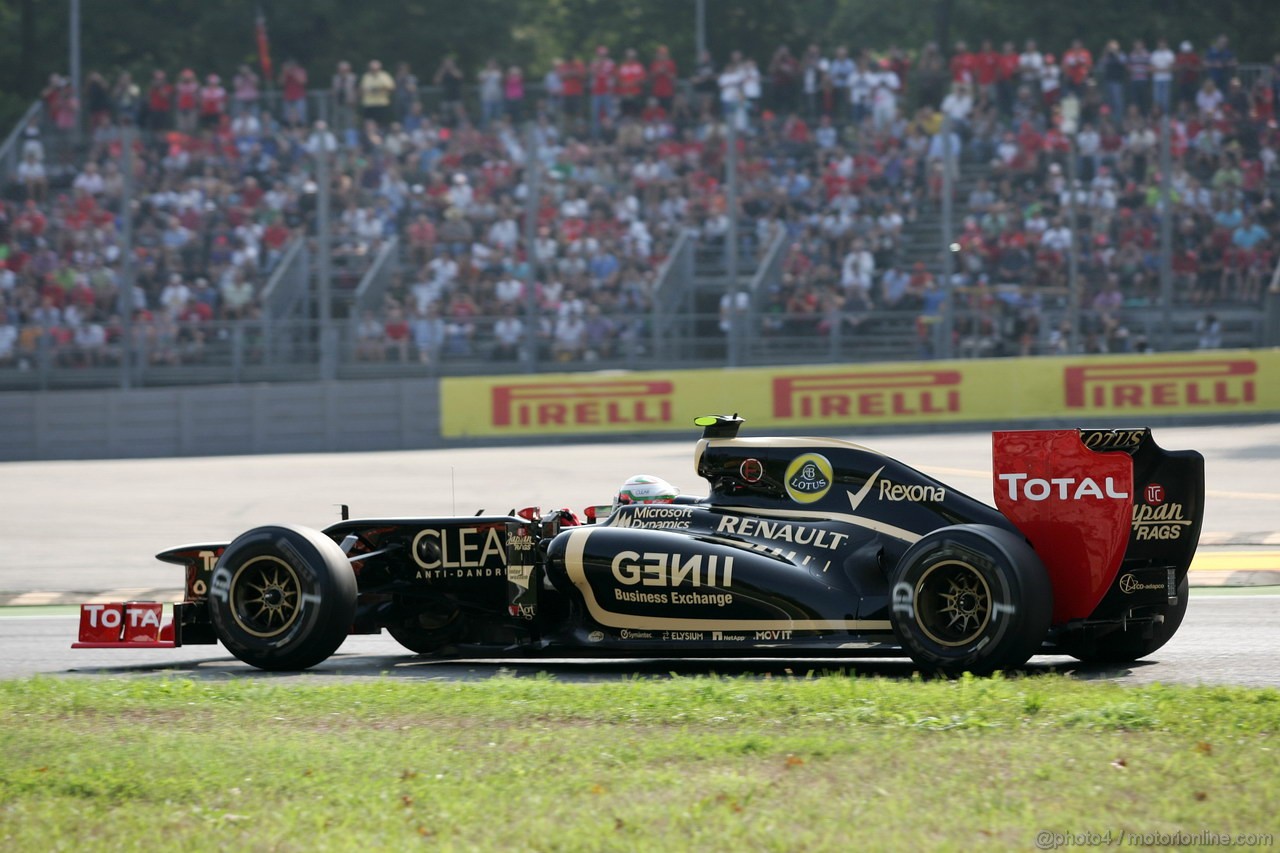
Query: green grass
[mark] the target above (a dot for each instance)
(706, 763)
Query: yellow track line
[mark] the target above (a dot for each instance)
(1236, 561)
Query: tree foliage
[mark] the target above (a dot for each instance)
(143, 34)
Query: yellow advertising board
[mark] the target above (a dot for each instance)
(1084, 388)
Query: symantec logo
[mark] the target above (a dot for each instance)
(906, 393)
(1162, 385)
(609, 403)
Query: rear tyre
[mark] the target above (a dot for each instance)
(282, 597)
(1128, 646)
(971, 598)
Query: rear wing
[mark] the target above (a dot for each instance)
(1112, 515)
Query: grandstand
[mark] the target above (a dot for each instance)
(867, 209)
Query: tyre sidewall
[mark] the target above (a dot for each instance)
(326, 604)
(1020, 606)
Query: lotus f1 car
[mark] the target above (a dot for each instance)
(801, 547)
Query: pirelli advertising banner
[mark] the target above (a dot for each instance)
(1080, 389)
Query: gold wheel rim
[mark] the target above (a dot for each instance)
(953, 603)
(266, 596)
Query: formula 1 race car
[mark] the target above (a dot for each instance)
(802, 547)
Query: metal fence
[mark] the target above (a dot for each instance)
(250, 351)
(11, 148)
(288, 286)
(671, 303)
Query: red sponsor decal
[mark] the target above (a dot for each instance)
(911, 393)
(1155, 494)
(751, 470)
(1161, 385)
(130, 622)
(611, 403)
(1074, 505)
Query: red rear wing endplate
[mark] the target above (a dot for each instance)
(1074, 504)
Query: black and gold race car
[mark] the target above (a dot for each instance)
(801, 547)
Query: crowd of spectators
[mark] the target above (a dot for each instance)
(1101, 188)
(209, 223)
(838, 153)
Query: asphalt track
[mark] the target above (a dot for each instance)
(1229, 637)
(87, 529)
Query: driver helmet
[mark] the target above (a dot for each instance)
(645, 489)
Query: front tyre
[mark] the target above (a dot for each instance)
(282, 597)
(971, 598)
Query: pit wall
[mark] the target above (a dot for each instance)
(411, 414)
(219, 420)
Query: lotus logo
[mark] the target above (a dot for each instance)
(808, 478)
(1130, 584)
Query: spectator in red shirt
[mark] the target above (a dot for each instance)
(97, 100)
(1077, 63)
(963, 64)
(1264, 103)
(275, 237)
(422, 239)
(573, 76)
(159, 102)
(630, 83)
(603, 72)
(662, 77)
(293, 89)
(1186, 271)
(653, 113)
(900, 64)
(1031, 143)
(986, 70)
(513, 93)
(31, 221)
(1007, 77)
(188, 91)
(784, 80)
(796, 132)
(1186, 72)
(213, 102)
(397, 334)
